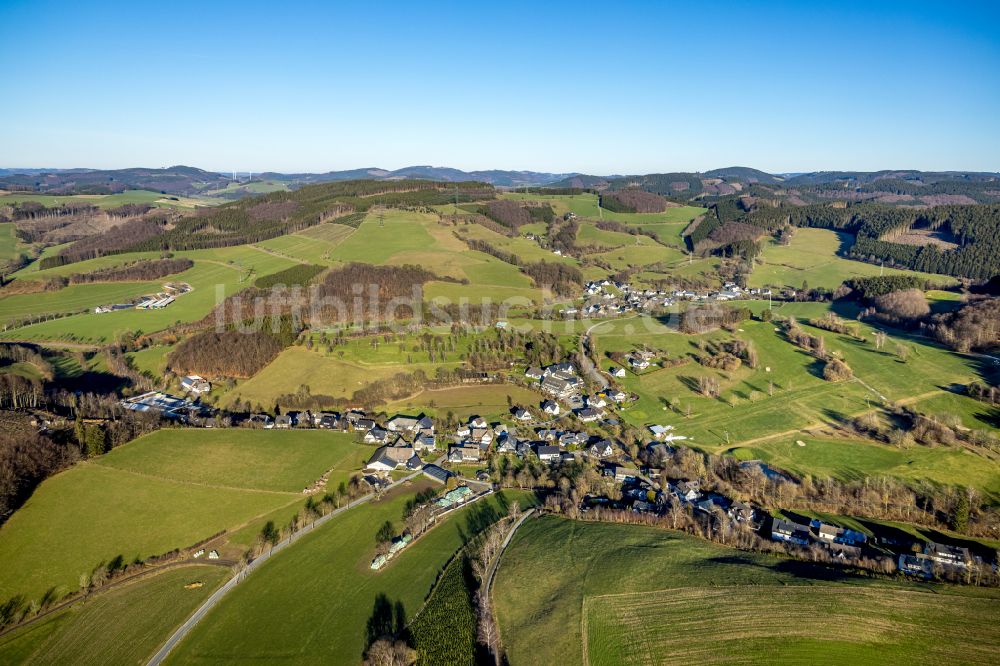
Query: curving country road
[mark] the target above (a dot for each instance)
(217, 596)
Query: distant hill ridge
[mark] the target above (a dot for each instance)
(900, 186)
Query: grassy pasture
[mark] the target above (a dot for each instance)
(315, 248)
(323, 374)
(851, 459)
(789, 624)
(8, 241)
(152, 360)
(555, 578)
(258, 460)
(163, 491)
(217, 273)
(311, 603)
(488, 400)
(801, 396)
(812, 257)
(746, 415)
(118, 626)
(376, 243)
(73, 298)
(526, 250)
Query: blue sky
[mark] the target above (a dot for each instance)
(629, 87)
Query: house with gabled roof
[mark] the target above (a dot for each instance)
(376, 435)
(547, 453)
(388, 458)
(522, 414)
(789, 532)
(602, 449)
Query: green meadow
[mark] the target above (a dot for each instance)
(765, 408)
(166, 490)
(217, 273)
(571, 592)
(8, 241)
(311, 603)
(811, 258)
(122, 625)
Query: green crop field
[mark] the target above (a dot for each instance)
(123, 625)
(166, 490)
(561, 578)
(811, 258)
(788, 624)
(311, 603)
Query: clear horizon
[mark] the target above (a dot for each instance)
(640, 88)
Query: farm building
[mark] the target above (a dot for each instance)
(196, 384)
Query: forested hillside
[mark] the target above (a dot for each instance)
(260, 218)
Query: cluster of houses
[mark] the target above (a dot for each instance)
(935, 557)
(399, 442)
(607, 298)
(840, 541)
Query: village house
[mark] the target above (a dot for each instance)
(596, 401)
(376, 435)
(388, 458)
(638, 363)
(916, 565)
(785, 530)
(617, 371)
(283, 421)
(533, 373)
(573, 438)
(522, 414)
(424, 442)
(547, 453)
(477, 422)
(623, 474)
(547, 434)
(550, 407)
(941, 553)
(329, 421)
(602, 449)
(588, 415)
(840, 535)
(401, 423)
(460, 454)
(688, 491)
(507, 443)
